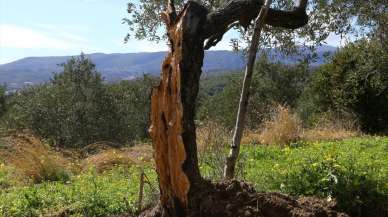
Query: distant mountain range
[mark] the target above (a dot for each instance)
(117, 66)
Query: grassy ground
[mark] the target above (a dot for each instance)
(87, 194)
(353, 171)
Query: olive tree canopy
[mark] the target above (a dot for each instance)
(350, 19)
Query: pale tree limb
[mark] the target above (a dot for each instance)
(230, 165)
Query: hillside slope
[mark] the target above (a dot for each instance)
(118, 66)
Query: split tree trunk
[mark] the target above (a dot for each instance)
(173, 108)
(231, 160)
(173, 101)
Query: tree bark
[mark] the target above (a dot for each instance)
(231, 160)
(244, 11)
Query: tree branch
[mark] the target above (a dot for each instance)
(169, 15)
(288, 19)
(244, 11)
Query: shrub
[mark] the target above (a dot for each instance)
(354, 81)
(271, 83)
(2, 101)
(65, 111)
(130, 109)
(332, 126)
(213, 144)
(282, 128)
(7, 178)
(213, 141)
(76, 108)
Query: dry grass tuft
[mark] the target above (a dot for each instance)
(251, 137)
(282, 128)
(321, 134)
(212, 136)
(333, 127)
(97, 147)
(108, 159)
(213, 141)
(29, 156)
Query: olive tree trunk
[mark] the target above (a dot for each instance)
(173, 101)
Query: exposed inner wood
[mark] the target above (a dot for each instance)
(173, 108)
(166, 128)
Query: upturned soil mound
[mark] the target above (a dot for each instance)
(238, 199)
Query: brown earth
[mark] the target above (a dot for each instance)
(238, 199)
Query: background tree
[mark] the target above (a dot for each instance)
(354, 81)
(76, 108)
(348, 18)
(2, 101)
(272, 83)
(130, 106)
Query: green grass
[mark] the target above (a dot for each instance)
(353, 171)
(88, 194)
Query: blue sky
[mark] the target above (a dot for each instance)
(67, 27)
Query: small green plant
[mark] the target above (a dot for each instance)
(51, 171)
(4, 176)
(213, 140)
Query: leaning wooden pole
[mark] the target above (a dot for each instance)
(231, 160)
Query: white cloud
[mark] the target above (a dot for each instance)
(12, 36)
(64, 31)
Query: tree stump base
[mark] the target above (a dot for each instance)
(238, 199)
